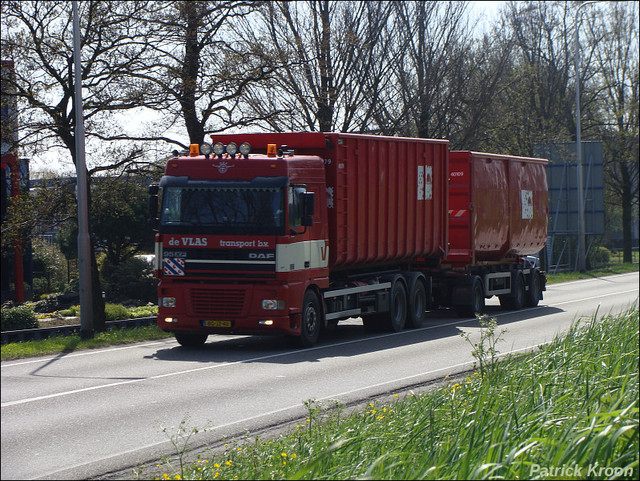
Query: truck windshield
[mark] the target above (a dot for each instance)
(223, 210)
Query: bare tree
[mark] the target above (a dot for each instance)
(195, 66)
(615, 35)
(37, 36)
(331, 63)
(429, 69)
(537, 101)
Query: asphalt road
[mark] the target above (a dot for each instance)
(84, 414)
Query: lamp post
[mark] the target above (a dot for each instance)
(84, 246)
(581, 227)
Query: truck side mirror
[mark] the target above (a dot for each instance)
(153, 205)
(308, 208)
(308, 203)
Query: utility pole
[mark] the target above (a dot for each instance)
(84, 246)
(581, 227)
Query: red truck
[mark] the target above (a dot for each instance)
(289, 232)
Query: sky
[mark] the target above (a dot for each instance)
(487, 11)
(59, 161)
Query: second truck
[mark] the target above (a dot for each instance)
(290, 232)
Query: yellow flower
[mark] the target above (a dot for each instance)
(284, 455)
(294, 455)
(216, 465)
(228, 463)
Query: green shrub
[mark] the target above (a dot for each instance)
(71, 312)
(112, 312)
(115, 312)
(49, 268)
(143, 311)
(130, 280)
(21, 317)
(599, 256)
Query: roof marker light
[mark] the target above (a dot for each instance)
(194, 150)
(245, 148)
(205, 149)
(218, 149)
(232, 148)
(271, 150)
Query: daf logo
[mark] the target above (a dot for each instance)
(223, 167)
(254, 255)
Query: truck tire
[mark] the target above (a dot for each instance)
(533, 296)
(516, 299)
(476, 305)
(191, 339)
(399, 308)
(417, 304)
(311, 320)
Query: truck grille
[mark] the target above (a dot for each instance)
(209, 302)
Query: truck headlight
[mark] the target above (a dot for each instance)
(272, 304)
(167, 302)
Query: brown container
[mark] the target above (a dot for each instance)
(498, 207)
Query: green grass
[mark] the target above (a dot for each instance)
(601, 272)
(59, 344)
(572, 405)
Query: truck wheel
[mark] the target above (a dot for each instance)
(476, 305)
(191, 339)
(311, 319)
(417, 304)
(533, 296)
(516, 299)
(399, 306)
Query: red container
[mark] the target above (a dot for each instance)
(387, 199)
(386, 196)
(498, 207)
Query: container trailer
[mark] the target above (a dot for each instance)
(290, 232)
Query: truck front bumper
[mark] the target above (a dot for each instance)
(227, 308)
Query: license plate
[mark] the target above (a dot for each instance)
(217, 323)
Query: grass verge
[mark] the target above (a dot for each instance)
(569, 410)
(60, 344)
(601, 272)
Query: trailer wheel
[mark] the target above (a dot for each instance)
(533, 296)
(191, 339)
(417, 304)
(476, 306)
(399, 306)
(311, 322)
